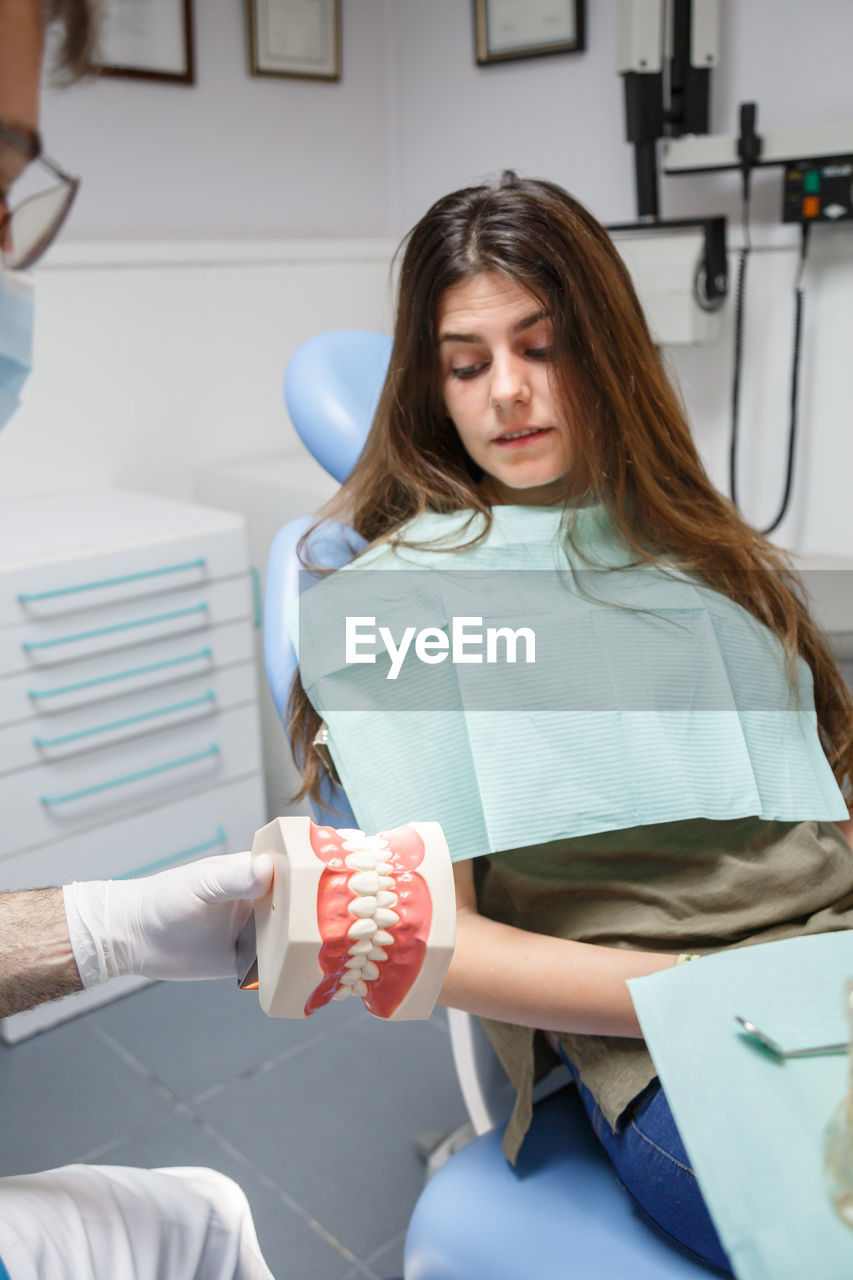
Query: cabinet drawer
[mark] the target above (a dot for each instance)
(221, 820)
(64, 796)
(63, 582)
(95, 681)
(50, 738)
(60, 642)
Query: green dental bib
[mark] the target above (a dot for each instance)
(518, 693)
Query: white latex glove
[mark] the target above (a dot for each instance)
(181, 923)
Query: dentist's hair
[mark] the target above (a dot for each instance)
(631, 444)
(76, 23)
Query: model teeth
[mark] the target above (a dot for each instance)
(365, 882)
(364, 906)
(362, 929)
(385, 917)
(372, 885)
(359, 861)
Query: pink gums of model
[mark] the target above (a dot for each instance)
(399, 967)
(351, 914)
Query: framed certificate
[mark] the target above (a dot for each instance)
(147, 40)
(295, 38)
(507, 29)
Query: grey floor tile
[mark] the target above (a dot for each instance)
(336, 1128)
(387, 1262)
(62, 1092)
(196, 1035)
(293, 1247)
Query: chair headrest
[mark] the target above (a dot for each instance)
(331, 389)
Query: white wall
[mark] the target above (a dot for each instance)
(233, 155)
(155, 361)
(239, 159)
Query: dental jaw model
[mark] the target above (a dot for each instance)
(354, 915)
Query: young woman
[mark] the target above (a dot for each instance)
(527, 423)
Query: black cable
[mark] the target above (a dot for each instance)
(738, 362)
(740, 292)
(805, 227)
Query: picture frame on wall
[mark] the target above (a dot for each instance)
(295, 39)
(508, 29)
(147, 40)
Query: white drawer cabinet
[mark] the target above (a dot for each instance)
(129, 731)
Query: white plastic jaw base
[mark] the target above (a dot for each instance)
(288, 932)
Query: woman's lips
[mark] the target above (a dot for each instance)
(513, 441)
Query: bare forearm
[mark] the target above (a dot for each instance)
(36, 960)
(537, 981)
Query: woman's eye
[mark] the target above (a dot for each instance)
(467, 371)
(540, 353)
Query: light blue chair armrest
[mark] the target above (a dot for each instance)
(331, 388)
(331, 545)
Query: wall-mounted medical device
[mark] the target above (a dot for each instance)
(679, 266)
(817, 188)
(667, 49)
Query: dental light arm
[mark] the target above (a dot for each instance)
(666, 50)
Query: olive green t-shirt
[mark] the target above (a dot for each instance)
(696, 886)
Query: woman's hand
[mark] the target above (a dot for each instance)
(535, 980)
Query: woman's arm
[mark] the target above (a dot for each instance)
(534, 980)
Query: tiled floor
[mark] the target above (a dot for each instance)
(316, 1120)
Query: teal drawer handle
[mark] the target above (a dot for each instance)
(218, 840)
(118, 626)
(257, 598)
(120, 675)
(207, 697)
(212, 750)
(30, 597)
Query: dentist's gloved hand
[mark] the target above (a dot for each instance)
(181, 923)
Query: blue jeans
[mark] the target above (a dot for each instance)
(649, 1157)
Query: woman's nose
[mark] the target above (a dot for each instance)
(509, 382)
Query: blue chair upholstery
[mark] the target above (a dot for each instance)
(562, 1212)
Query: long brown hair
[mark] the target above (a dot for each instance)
(629, 431)
(76, 23)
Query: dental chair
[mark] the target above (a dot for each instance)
(561, 1211)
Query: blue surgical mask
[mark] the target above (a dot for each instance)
(17, 311)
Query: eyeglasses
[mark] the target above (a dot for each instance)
(30, 227)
